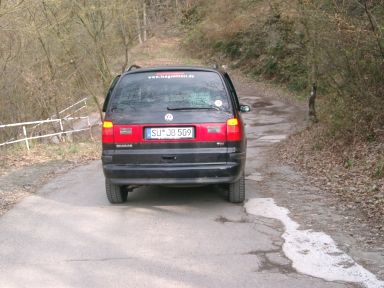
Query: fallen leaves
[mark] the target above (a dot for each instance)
(350, 173)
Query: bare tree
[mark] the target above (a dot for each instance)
(95, 21)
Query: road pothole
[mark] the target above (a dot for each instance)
(260, 104)
(222, 219)
(273, 261)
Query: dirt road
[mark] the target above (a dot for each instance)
(67, 235)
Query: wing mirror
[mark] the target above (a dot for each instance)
(244, 108)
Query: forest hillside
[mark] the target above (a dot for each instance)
(56, 52)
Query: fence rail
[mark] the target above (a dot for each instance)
(53, 119)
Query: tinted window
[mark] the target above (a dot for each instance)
(233, 91)
(170, 89)
(113, 84)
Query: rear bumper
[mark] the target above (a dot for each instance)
(206, 173)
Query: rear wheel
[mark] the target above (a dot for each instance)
(115, 193)
(237, 190)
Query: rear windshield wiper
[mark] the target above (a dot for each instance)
(122, 107)
(194, 108)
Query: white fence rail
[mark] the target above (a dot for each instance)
(83, 105)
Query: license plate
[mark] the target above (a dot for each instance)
(162, 133)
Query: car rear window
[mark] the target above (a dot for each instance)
(158, 91)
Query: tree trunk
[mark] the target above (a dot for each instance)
(312, 104)
(145, 21)
(138, 25)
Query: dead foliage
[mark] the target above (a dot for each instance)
(354, 174)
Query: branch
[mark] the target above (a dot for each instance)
(374, 28)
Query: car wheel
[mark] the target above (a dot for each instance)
(116, 194)
(237, 190)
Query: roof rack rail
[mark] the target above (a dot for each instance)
(133, 67)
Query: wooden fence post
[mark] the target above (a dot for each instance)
(26, 137)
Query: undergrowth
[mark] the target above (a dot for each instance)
(18, 156)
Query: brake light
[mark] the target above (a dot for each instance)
(107, 132)
(234, 129)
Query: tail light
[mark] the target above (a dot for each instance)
(234, 129)
(113, 134)
(107, 132)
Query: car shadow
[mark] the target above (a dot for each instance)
(168, 195)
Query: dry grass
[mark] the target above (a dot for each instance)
(18, 156)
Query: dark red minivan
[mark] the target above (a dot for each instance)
(173, 126)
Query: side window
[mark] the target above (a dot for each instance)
(113, 84)
(232, 90)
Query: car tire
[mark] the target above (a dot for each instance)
(116, 194)
(237, 190)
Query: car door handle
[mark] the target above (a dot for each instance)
(169, 157)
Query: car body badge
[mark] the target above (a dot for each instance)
(168, 117)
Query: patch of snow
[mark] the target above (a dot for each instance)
(313, 253)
